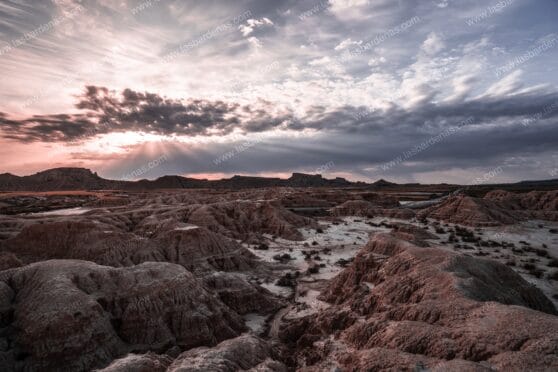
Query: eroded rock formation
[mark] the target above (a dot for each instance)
(76, 315)
(399, 306)
(368, 209)
(239, 354)
(244, 219)
(467, 210)
(195, 248)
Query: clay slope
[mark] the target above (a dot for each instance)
(365, 208)
(239, 354)
(194, 248)
(242, 220)
(466, 210)
(76, 315)
(535, 204)
(297, 200)
(240, 295)
(412, 233)
(243, 353)
(402, 307)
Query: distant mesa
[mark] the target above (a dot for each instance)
(68, 179)
(59, 179)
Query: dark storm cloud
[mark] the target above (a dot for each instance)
(103, 111)
(517, 148)
(106, 112)
(482, 148)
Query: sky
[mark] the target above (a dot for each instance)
(457, 91)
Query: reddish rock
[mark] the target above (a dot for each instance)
(541, 205)
(412, 233)
(467, 210)
(534, 200)
(427, 308)
(9, 260)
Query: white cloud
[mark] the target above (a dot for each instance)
(506, 86)
(347, 43)
(376, 61)
(252, 24)
(256, 43)
(433, 44)
(337, 5)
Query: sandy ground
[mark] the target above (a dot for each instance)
(343, 240)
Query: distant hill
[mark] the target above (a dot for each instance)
(67, 179)
(58, 179)
(383, 183)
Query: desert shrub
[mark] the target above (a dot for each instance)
(314, 269)
(262, 247)
(287, 280)
(529, 266)
(282, 257)
(541, 253)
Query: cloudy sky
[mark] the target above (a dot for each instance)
(406, 90)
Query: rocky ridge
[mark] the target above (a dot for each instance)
(399, 306)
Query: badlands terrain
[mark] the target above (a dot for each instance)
(252, 274)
